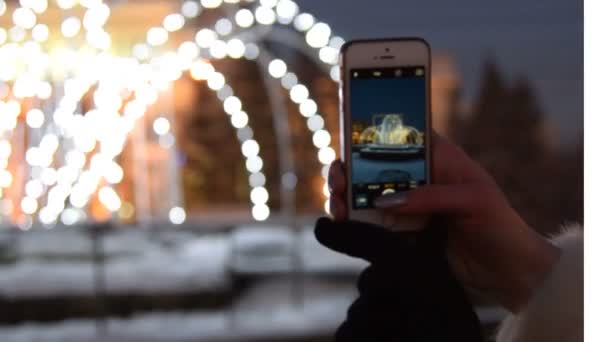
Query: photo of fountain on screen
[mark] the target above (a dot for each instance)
(388, 139)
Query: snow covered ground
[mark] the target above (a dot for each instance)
(268, 310)
(59, 263)
(197, 265)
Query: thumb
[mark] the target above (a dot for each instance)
(435, 199)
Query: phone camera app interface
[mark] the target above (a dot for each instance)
(388, 114)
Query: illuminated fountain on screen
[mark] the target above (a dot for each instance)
(70, 104)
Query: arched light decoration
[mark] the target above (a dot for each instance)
(76, 183)
(317, 34)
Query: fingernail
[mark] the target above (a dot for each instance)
(391, 200)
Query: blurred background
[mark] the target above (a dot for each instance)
(162, 162)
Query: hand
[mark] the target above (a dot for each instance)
(490, 247)
(408, 289)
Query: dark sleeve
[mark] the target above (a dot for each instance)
(408, 292)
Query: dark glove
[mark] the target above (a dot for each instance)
(408, 293)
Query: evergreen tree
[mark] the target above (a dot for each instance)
(506, 134)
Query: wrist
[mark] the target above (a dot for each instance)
(542, 257)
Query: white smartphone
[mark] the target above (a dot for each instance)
(385, 124)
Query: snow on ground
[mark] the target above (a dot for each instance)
(196, 265)
(264, 250)
(59, 263)
(173, 261)
(272, 310)
(268, 310)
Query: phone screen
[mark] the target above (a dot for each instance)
(388, 116)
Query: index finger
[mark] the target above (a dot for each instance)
(336, 179)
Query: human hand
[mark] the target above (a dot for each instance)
(490, 247)
(407, 291)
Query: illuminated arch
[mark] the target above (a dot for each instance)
(263, 14)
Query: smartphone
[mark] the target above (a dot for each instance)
(385, 124)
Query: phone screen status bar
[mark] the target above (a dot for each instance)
(388, 72)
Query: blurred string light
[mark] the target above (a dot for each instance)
(78, 180)
(317, 35)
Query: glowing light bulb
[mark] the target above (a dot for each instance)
(329, 55)
(298, 93)
(6, 179)
(39, 6)
(157, 36)
(108, 197)
(40, 33)
(308, 108)
(244, 18)
(321, 138)
(235, 48)
(34, 188)
(218, 49)
(174, 22)
(252, 51)
(315, 123)
(187, 52)
(304, 22)
(216, 81)
(48, 176)
(141, 51)
(250, 148)
(335, 73)
(326, 155)
(201, 70)
(66, 4)
(24, 17)
(177, 215)
(223, 27)
(29, 205)
(318, 35)
(205, 37)
(49, 143)
(191, 9)
(5, 149)
(259, 195)
(239, 120)
(268, 3)
(96, 16)
(34, 118)
(260, 212)
(336, 42)
(286, 10)
(211, 3)
(161, 126)
(71, 216)
(289, 80)
(265, 15)
(113, 173)
(257, 179)
(277, 68)
(254, 164)
(232, 105)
